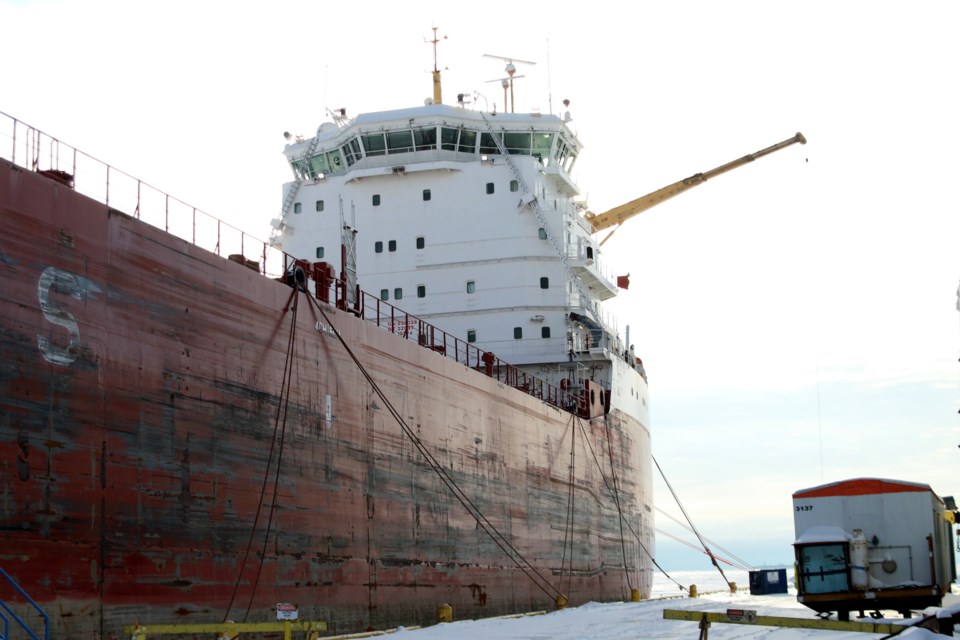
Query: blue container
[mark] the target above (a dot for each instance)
(766, 581)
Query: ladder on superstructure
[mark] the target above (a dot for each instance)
(530, 199)
(295, 187)
(348, 240)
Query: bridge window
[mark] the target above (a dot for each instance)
(301, 168)
(449, 138)
(392, 245)
(468, 141)
(319, 165)
(514, 186)
(544, 332)
(374, 144)
(544, 283)
(333, 161)
(376, 199)
(471, 286)
(425, 138)
(384, 294)
(517, 143)
(561, 153)
(420, 242)
(542, 233)
(351, 151)
(319, 205)
(399, 141)
(398, 294)
(542, 143)
(378, 246)
(421, 291)
(489, 188)
(518, 333)
(297, 207)
(426, 194)
(488, 144)
(319, 253)
(461, 140)
(471, 335)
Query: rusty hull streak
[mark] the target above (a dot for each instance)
(130, 477)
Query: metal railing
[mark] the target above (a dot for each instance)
(29, 147)
(22, 624)
(410, 327)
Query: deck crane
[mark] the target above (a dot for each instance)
(618, 215)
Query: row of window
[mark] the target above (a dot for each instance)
(537, 144)
(421, 243)
(517, 333)
(375, 200)
(422, 289)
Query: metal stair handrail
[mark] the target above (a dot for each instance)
(530, 199)
(16, 618)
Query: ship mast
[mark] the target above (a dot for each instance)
(437, 97)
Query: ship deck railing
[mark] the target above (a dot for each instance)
(397, 321)
(28, 147)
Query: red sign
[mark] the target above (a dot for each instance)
(741, 615)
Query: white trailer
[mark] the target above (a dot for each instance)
(870, 543)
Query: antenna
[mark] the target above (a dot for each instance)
(549, 80)
(437, 93)
(508, 81)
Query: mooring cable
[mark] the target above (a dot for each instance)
(285, 397)
(629, 526)
(568, 526)
(713, 558)
(499, 539)
(734, 560)
(616, 500)
(284, 392)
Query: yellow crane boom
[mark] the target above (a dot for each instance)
(618, 215)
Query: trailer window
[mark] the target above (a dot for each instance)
(823, 568)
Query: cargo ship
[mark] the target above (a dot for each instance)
(409, 396)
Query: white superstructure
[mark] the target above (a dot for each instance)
(468, 220)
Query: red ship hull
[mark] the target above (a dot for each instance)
(163, 461)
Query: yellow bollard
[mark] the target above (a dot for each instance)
(733, 587)
(228, 635)
(561, 602)
(634, 595)
(693, 591)
(444, 613)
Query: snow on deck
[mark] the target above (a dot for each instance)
(619, 621)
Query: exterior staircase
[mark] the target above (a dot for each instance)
(7, 614)
(586, 300)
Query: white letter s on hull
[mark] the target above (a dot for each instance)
(77, 287)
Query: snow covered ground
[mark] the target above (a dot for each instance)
(619, 621)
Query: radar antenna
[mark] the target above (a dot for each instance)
(507, 82)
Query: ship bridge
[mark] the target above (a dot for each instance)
(436, 133)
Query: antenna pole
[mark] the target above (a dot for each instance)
(549, 82)
(437, 93)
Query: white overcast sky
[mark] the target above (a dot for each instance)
(797, 317)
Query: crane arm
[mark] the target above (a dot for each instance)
(619, 215)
